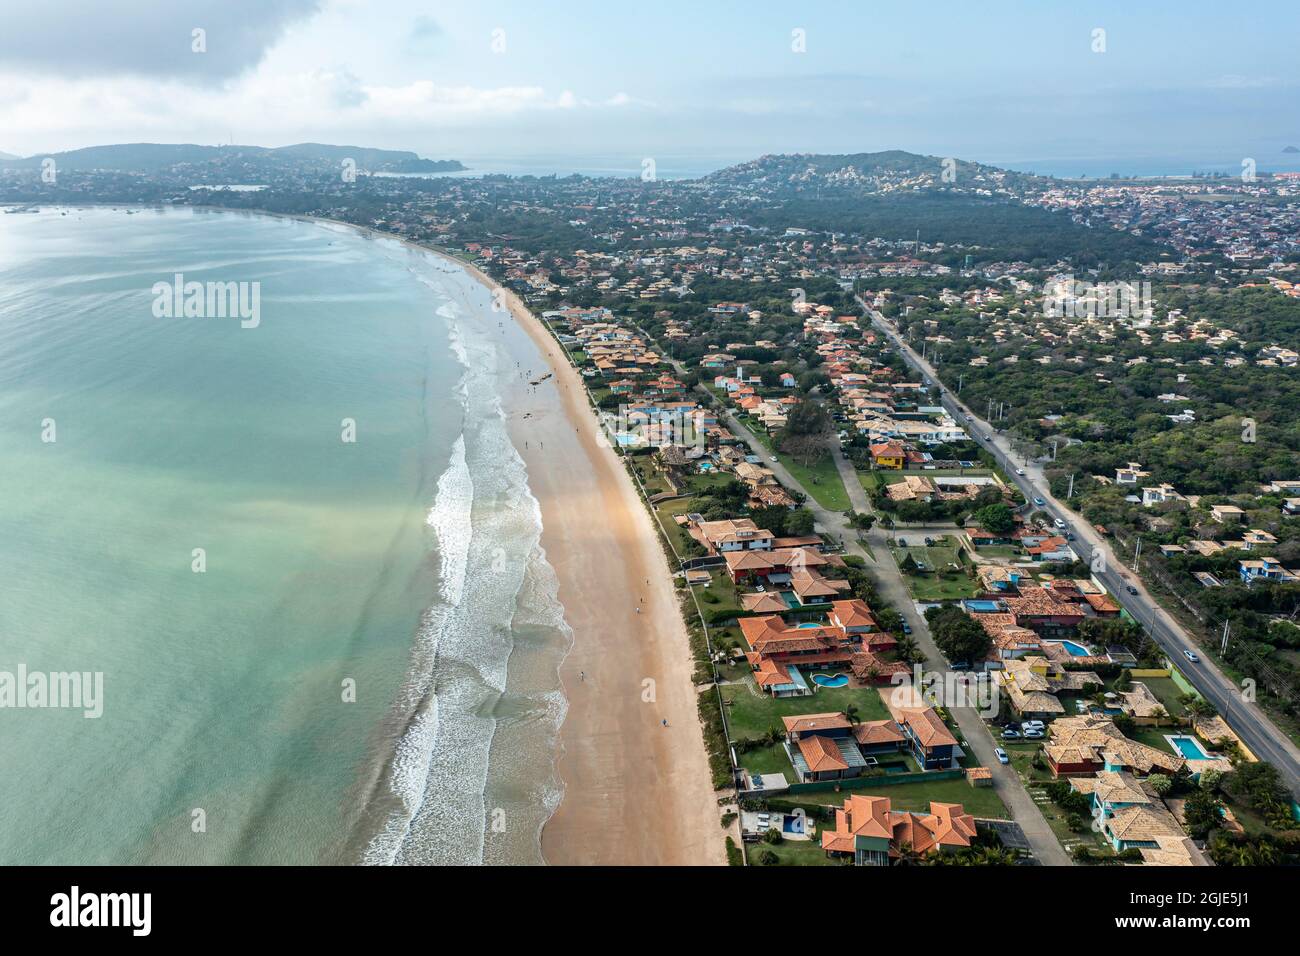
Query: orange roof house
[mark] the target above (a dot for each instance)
(875, 834)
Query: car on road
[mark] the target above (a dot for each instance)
(1059, 523)
(1002, 755)
(1131, 589)
(1020, 472)
(1191, 657)
(970, 418)
(907, 628)
(988, 437)
(1010, 734)
(1040, 502)
(774, 458)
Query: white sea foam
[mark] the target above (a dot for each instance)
(493, 580)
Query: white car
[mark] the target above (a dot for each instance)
(1191, 657)
(1059, 523)
(774, 458)
(1020, 472)
(1002, 755)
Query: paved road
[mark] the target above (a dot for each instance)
(889, 581)
(1251, 724)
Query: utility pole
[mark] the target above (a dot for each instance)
(959, 378)
(1070, 494)
(1223, 649)
(1053, 451)
(1137, 552)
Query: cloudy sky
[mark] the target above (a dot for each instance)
(997, 81)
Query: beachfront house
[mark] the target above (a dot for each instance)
(874, 834)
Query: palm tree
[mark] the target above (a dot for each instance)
(907, 648)
(907, 856)
(851, 713)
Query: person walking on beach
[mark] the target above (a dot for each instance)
(582, 675)
(665, 721)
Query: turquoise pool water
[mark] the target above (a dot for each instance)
(1189, 747)
(839, 680)
(984, 607)
(1075, 650)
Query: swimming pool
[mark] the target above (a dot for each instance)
(1189, 747)
(1075, 650)
(839, 680)
(984, 607)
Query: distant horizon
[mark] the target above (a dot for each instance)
(688, 165)
(1006, 85)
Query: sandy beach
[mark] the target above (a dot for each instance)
(637, 792)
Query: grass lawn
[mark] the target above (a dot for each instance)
(721, 592)
(1167, 691)
(750, 716)
(651, 477)
(676, 533)
(770, 759)
(1022, 756)
(796, 853)
(821, 479)
(940, 582)
(977, 801)
(1002, 552)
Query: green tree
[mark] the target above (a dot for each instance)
(997, 519)
(958, 635)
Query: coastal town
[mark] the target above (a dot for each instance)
(939, 613)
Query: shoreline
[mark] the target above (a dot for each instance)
(636, 791)
(631, 758)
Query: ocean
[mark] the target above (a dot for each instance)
(301, 550)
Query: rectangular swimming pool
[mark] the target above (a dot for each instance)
(1188, 747)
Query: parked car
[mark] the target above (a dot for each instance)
(1191, 657)
(907, 628)
(928, 542)
(1033, 725)
(1002, 755)
(1035, 734)
(1010, 734)
(902, 542)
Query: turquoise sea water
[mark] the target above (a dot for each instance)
(330, 564)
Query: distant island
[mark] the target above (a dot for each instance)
(246, 160)
(1292, 149)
